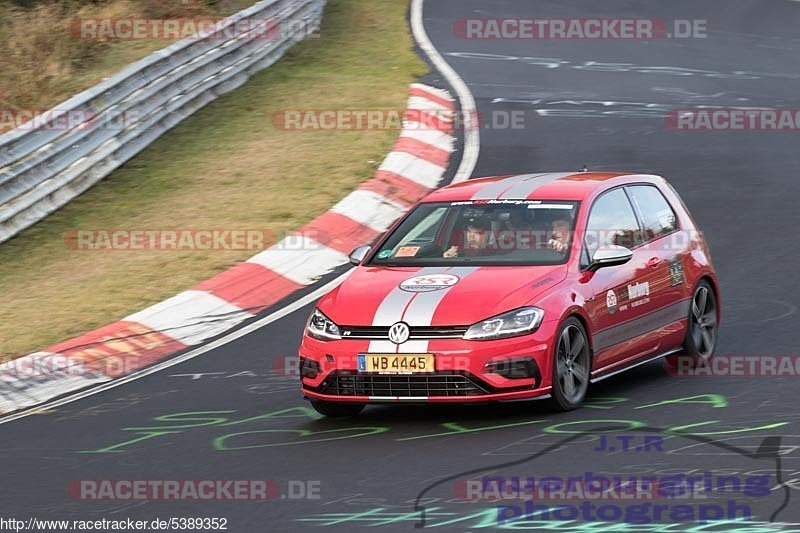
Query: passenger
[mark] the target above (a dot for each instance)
(559, 238)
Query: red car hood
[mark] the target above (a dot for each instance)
(447, 296)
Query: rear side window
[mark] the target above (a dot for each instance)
(658, 217)
(611, 221)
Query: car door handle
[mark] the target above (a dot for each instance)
(654, 262)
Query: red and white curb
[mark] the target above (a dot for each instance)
(415, 166)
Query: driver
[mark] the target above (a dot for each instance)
(476, 231)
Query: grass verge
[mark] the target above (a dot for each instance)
(226, 167)
(42, 63)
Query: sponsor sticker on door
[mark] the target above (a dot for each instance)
(611, 301)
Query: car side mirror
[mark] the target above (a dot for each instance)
(611, 255)
(359, 254)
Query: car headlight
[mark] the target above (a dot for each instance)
(511, 324)
(322, 328)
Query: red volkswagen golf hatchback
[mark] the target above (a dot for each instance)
(512, 288)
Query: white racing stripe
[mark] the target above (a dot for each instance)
(422, 308)
(517, 187)
(412, 346)
(524, 189)
(391, 311)
(413, 308)
(493, 189)
(391, 308)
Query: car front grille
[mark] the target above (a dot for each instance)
(407, 386)
(415, 332)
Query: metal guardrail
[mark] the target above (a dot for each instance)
(43, 167)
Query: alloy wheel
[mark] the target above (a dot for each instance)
(573, 363)
(703, 321)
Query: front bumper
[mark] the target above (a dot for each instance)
(465, 371)
(538, 394)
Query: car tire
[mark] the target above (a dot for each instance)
(572, 360)
(701, 330)
(337, 410)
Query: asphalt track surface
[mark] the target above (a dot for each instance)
(742, 188)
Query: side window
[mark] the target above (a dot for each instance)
(658, 217)
(611, 221)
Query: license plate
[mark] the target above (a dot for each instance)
(396, 363)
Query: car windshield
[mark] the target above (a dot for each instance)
(481, 232)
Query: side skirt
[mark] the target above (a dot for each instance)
(649, 359)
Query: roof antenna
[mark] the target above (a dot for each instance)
(584, 169)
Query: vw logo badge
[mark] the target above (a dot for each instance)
(399, 333)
